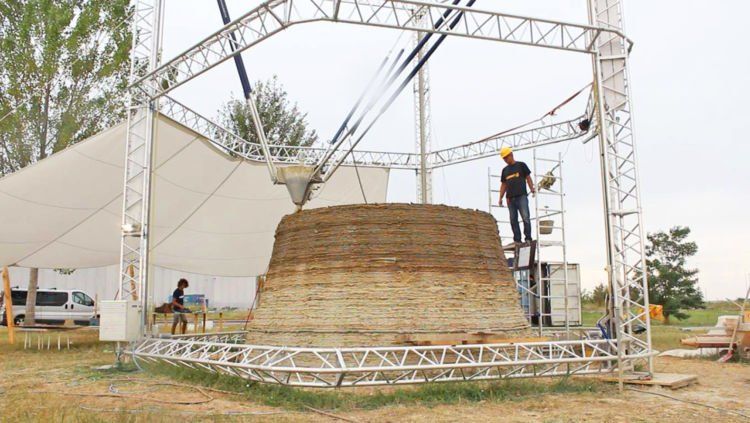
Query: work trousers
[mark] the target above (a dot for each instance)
(520, 205)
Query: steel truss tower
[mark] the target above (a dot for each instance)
(422, 119)
(602, 39)
(141, 113)
(626, 262)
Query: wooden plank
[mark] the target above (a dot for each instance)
(9, 307)
(666, 380)
(204, 310)
(707, 341)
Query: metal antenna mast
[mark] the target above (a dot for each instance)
(422, 121)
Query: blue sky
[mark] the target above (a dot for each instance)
(690, 83)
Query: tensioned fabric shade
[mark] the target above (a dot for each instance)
(212, 214)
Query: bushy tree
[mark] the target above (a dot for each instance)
(283, 122)
(599, 294)
(671, 283)
(63, 66)
(586, 296)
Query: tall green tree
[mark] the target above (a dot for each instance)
(63, 68)
(599, 294)
(670, 282)
(283, 121)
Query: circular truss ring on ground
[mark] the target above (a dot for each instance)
(227, 353)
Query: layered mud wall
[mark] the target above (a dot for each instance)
(370, 275)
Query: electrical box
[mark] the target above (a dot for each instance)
(557, 293)
(120, 320)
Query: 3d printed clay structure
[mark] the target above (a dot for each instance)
(372, 274)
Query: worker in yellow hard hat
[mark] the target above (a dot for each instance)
(515, 177)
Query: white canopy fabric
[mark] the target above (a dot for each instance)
(212, 214)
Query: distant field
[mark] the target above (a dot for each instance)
(666, 337)
(701, 317)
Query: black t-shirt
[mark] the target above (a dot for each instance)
(514, 177)
(179, 295)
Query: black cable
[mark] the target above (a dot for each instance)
(364, 93)
(427, 56)
(238, 62)
(724, 410)
(412, 73)
(399, 71)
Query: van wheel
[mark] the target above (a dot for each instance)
(18, 321)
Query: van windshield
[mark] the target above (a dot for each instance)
(82, 299)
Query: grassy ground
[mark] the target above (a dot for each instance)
(700, 317)
(51, 385)
(66, 385)
(368, 399)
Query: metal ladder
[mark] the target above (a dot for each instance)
(549, 215)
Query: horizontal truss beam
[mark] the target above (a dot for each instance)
(377, 366)
(235, 145)
(521, 140)
(274, 16)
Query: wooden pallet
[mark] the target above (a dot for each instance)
(665, 380)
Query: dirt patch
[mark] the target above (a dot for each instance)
(47, 386)
(719, 385)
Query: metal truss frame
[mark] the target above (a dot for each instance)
(282, 154)
(233, 144)
(520, 140)
(146, 35)
(620, 184)
(274, 16)
(325, 367)
(378, 366)
(232, 337)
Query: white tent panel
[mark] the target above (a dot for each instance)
(211, 214)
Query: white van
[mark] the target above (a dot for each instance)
(53, 306)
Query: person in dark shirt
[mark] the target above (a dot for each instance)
(515, 177)
(178, 306)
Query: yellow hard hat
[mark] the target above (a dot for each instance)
(505, 151)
